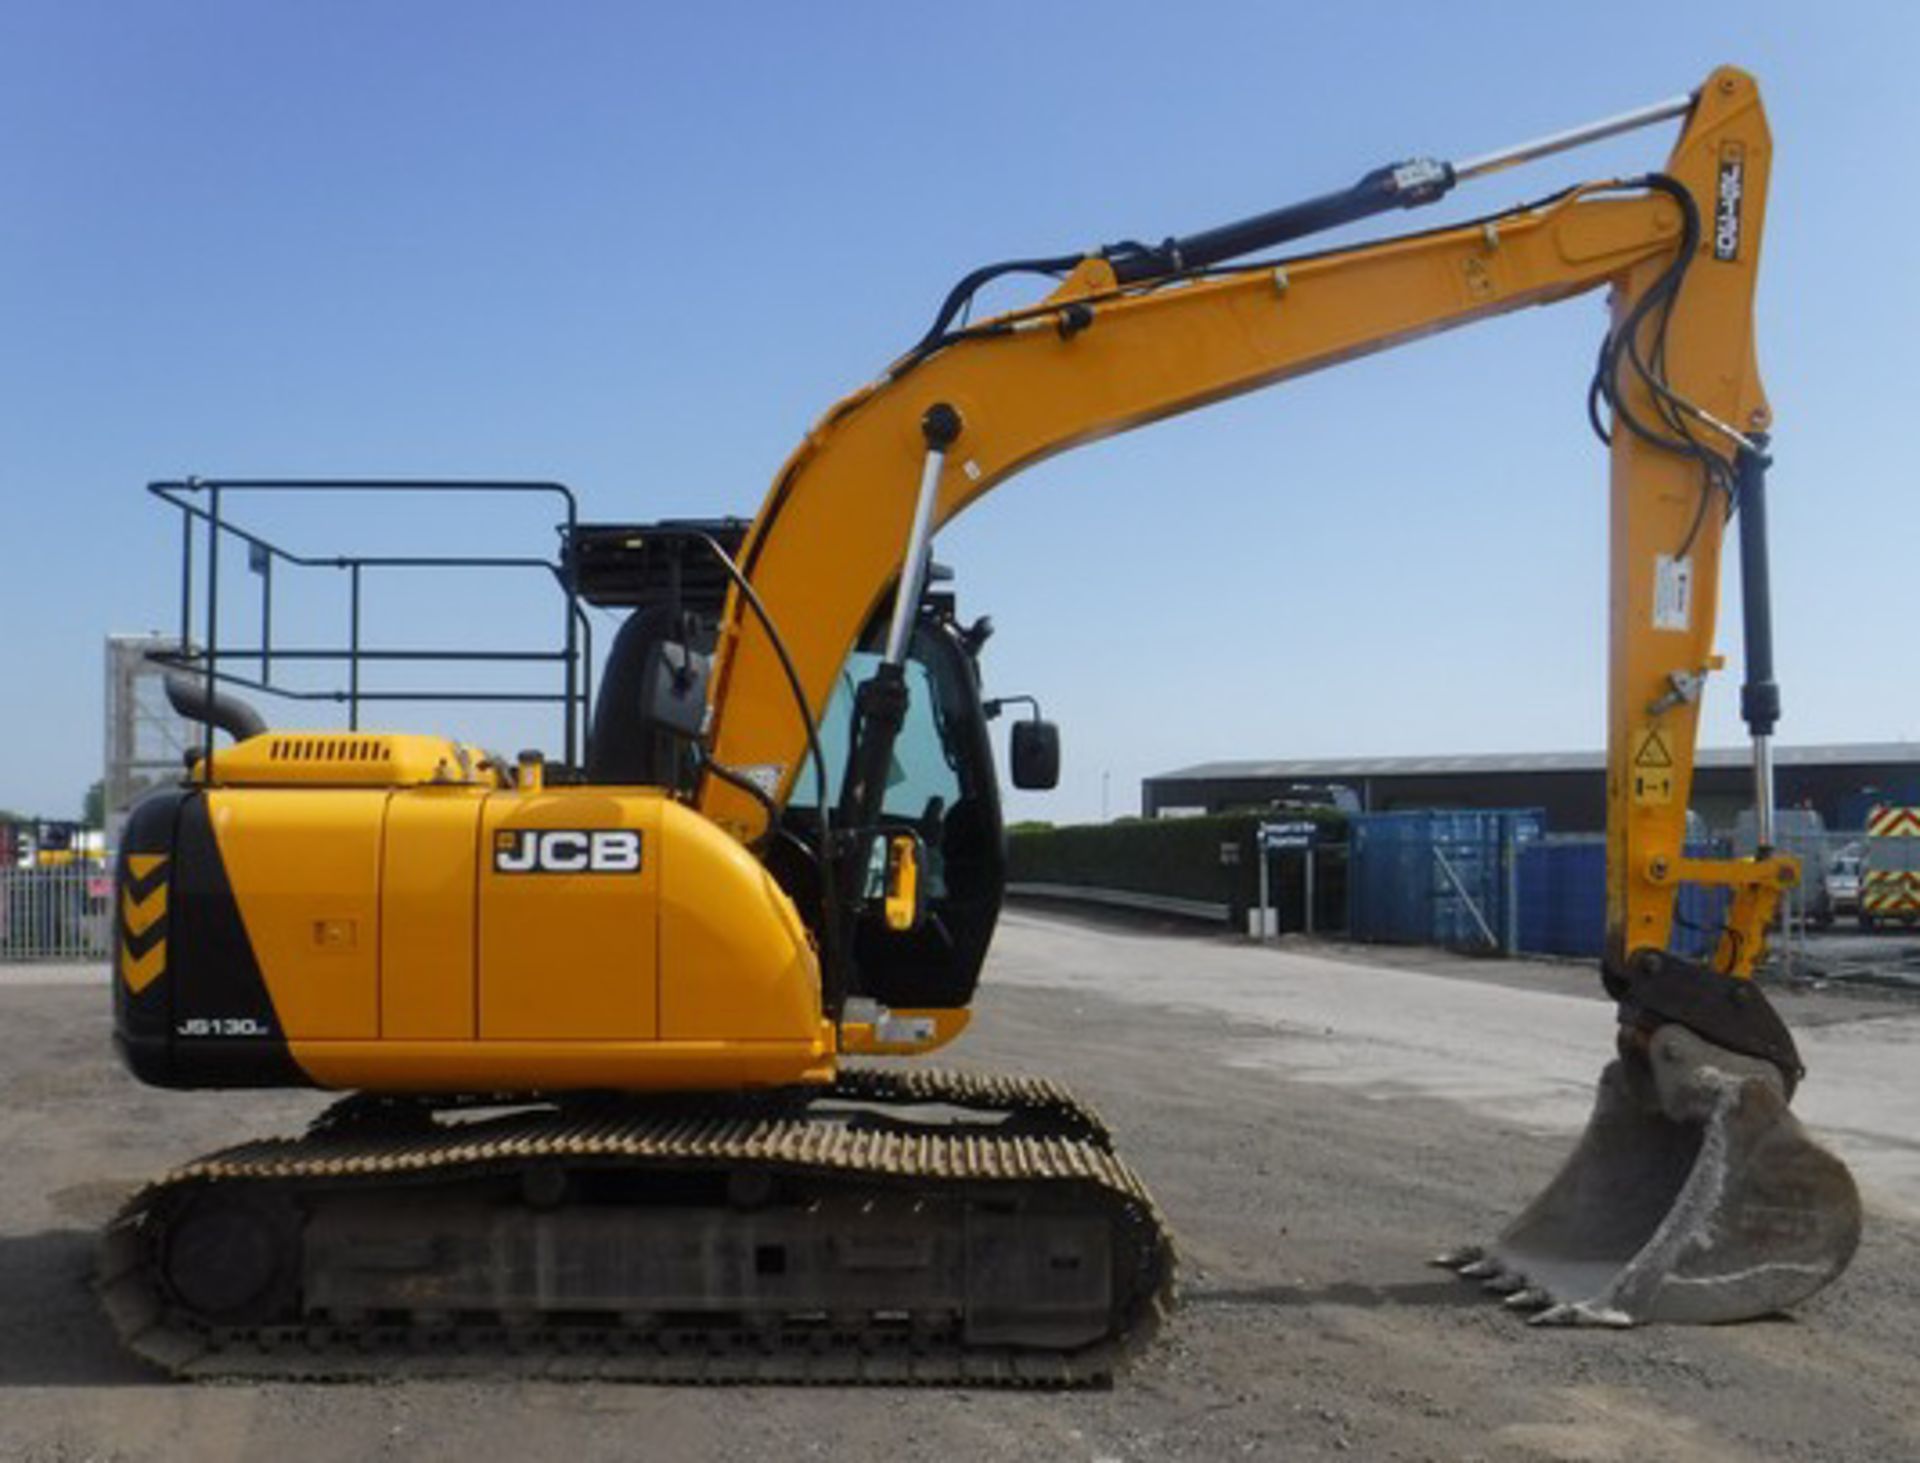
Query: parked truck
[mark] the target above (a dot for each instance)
(1890, 868)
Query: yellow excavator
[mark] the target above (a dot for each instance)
(603, 1020)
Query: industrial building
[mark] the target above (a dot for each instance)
(1840, 782)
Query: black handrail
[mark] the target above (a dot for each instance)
(577, 636)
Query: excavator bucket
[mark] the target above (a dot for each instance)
(1694, 1196)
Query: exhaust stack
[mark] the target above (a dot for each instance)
(194, 699)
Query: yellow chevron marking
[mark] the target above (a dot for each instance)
(142, 916)
(142, 971)
(142, 864)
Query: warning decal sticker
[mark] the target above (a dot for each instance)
(1652, 769)
(1652, 750)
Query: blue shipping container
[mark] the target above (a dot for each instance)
(1562, 885)
(1438, 877)
(1563, 896)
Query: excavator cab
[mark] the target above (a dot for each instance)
(941, 786)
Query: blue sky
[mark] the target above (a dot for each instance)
(640, 248)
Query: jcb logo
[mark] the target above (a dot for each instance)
(566, 851)
(1726, 203)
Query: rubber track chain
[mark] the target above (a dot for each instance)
(184, 1347)
(1041, 1099)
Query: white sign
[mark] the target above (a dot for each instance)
(1287, 835)
(1672, 593)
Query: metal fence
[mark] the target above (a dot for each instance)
(56, 914)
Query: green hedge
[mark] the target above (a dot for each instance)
(1209, 859)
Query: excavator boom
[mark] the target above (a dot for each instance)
(1101, 355)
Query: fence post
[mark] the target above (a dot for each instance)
(1260, 852)
(1510, 854)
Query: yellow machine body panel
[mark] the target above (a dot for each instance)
(460, 937)
(731, 979)
(305, 867)
(569, 916)
(554, 1066)
(430, 923)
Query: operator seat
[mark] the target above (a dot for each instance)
(624, 745)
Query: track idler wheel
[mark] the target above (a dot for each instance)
(1693, 1196)
(231, 1257)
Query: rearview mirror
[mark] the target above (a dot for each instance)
(1036, 755)
(673, 690)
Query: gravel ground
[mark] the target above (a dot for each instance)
(1307, 1148)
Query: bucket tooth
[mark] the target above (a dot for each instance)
(1460, 1255)
(1511, 1283)
(1693, 1196)
(1581, 1313)
(1528, 1299)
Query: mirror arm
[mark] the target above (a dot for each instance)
(992, 709)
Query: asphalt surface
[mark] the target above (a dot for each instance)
(1889, 955)
(1313, 1121)
(1515, 1042)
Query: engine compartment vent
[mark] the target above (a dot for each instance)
(329, 749)
(351, 759)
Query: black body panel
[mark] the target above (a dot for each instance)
(207, 1020)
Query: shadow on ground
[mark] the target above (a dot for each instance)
(61, 1337)
(1454, 1294)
